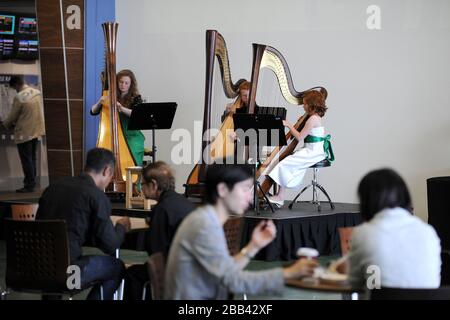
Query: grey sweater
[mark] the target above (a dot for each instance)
(199, 265)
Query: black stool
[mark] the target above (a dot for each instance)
(315, 185)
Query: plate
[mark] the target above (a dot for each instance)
(333, 278)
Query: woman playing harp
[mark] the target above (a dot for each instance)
(270, 59)
(240, 103)
(219, 145)
(290, 171)
(127, 98)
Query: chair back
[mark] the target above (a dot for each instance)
(156, 267)
(345, 235)
(442, 293)
(233, 233)
(37, 255)
(25, 211)
(445, 267)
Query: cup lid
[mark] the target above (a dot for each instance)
(307, 252)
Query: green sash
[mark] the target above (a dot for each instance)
(326, 145)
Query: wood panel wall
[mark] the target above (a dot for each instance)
(62, 69)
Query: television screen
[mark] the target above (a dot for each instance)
(6, 48)
(27, 25)
(27, 49)
(7, 24)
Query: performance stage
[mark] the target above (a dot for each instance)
(303, 226)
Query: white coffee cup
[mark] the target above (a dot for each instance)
(307, 253)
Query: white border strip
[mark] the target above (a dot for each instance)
(67, 87)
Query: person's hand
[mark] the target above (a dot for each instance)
(301, 268)
(232, 135)
(342, 267)
(286, 124)
(263, 234)
(228, 108)
(125, 222)
(120, 107)
(339, 266)
(101, 101)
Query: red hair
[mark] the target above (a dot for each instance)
(245, 85)
(133, 92)
(316, 102)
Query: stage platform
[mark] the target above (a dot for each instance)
(303, 226)
(134, 241)
(118, 208)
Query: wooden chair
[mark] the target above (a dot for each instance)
(345, 234)
(135, 200)
(233, 234)
(156, 265)
(37, 257)
(24, 212)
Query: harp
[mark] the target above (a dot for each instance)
(110, 133)
(221, 146)
(268, 57)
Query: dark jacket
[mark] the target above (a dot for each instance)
(86, 210)
(166, 217)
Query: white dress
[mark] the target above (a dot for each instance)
(290, 171)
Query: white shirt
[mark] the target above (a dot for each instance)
(406, 250)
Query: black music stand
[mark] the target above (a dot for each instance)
(152, 116)
(259, 122)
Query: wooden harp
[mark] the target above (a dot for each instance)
(268, 57)
(219, 148)
(110, 133)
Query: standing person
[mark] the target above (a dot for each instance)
(158, 184)
(81, 202)
(127, 98)
(290, 171)
(26, 117)
(405, 250)
(199, 264)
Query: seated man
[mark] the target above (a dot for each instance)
(81, 202)
(159, 184)
(199, 264)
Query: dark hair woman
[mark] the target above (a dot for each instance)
(393, 248)
(127, 98)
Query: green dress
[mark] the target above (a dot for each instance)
(135, 138)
